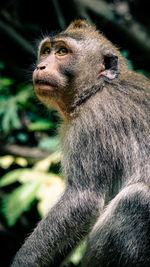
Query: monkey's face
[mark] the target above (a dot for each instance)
(54, 71)
(71, 63)
(65, 67)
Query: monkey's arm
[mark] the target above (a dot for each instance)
(84, 165)
(60, 231)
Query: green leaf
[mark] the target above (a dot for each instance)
(10, 118)
(3, 104)
(49, 193)
(50, 143)
(44, 164)
(24, 94)
(14, 204)
(15, 121)
(6, 82)
(41, 125)
(10, 178)
(6, 161)
(78, 253)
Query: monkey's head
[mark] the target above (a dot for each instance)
(72, 64)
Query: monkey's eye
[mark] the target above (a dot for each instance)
(46, 51)
(62, 51)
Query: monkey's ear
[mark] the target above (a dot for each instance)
(109, 67)
(78, 24)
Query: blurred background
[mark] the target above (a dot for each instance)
(30, 177)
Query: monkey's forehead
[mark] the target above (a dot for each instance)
(62, 37)
(75, 35)
(53, 40)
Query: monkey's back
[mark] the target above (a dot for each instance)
(112, 134)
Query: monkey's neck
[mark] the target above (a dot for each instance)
(87, 94)
(70, 109)
(65, 110)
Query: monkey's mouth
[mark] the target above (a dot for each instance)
(44, 84)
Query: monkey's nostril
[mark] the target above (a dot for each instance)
(41, 67)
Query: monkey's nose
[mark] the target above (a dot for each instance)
(41, 67)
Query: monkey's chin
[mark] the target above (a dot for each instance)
(45, 91)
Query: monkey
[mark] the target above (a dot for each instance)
(105, 142)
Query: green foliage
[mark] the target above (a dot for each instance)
(21, 122)
(78, 253)
(1, 65)
(41, 125)
(143, 72)
(50, 143)
(10, 104)
(16, 99)
(37, 183)
(7, 161)
(5, 82)
(19, 201)
(20, 115)
(10, 177)
(126, 54)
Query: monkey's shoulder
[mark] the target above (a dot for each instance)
(135, 80)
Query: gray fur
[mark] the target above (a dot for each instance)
(106, 160)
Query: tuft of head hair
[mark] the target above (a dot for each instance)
(78, 24)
